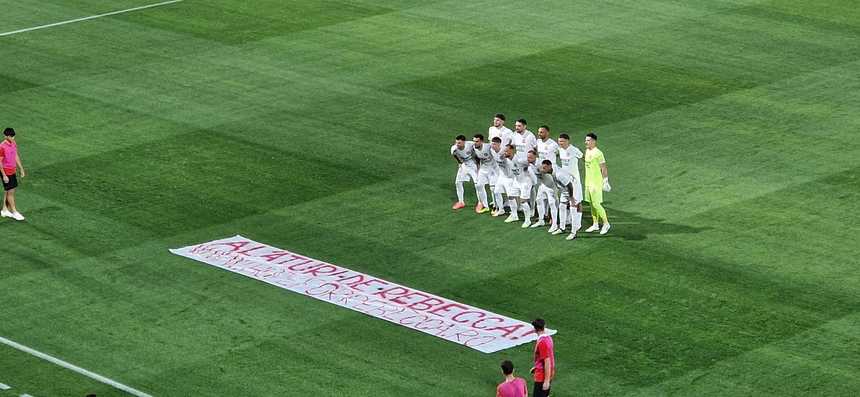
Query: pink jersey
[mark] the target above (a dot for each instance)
(514, 388)
(9, 151)
(544, 350)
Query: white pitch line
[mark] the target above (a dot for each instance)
(50, 25)
(57, 361)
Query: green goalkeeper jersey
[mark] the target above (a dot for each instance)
(593, 176)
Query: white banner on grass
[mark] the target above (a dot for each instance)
(456, 322)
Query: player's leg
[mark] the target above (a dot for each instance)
(576, 220)
(553, 209)
(5, 212)
(500, 188)
(533, 200)
(594, 198)
(459, 180)
(483, 205)
(544, 196)
(541, 208)
(13, 209)
(525, 196)
(563, 210)
(598, 213)
(513, 200)
(481, 190)
(597, 208)
(460, 193)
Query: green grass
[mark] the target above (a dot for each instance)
(322, 127)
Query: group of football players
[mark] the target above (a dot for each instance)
(531, 174)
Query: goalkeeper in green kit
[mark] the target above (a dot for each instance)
(596, 182)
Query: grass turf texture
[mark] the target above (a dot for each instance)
(323, 127)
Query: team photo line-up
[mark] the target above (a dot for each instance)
(527, 173)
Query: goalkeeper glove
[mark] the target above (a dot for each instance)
(606, 187)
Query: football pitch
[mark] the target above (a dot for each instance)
(323, 127)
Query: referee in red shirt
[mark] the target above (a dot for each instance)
(544, 369)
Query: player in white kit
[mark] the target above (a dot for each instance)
(467, 168)
(523, 140)
(505, 179)
(524, 178)
(569, 202)
(499, 130)
(569, 156)
(486, 172)
(546, 188)
(547, 149)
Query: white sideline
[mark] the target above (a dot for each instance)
(73, 367)
(88, 18)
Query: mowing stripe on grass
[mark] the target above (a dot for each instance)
(57, 361)
(88, 18)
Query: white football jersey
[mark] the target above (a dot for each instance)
(506, 166)
(562, 178)
(547, 150)
(485, 158)
(522, 170)
(504, 133)
(523, 143)
(467, 155)
(570, 159)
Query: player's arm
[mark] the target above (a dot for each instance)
(20, 166)
(605, 174)
(453, 154)
(2, 171)
(547, 373)
(457, 159)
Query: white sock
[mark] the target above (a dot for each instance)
(562, 221)
(553, 213)
(500, 204)
(513, 203)
(482, 195)
(577, 221)
(541, 210)
(460, 192)
(527, 210)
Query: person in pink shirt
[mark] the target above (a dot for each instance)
(544, 369)
(9, 164)
(512, 386)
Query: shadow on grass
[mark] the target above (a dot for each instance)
(632, 226)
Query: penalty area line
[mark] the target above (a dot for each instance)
(50, 25)
(72, 367)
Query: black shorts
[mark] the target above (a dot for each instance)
(538, 390)
(13, 182)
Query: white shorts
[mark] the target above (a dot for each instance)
(486, 176)
(466, 173)
(577, 194)
(523, 188)
(546, 193)
(504, 185)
